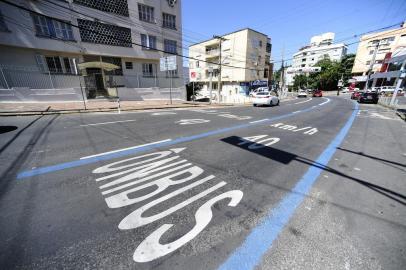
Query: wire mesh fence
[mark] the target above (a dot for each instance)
(32, 84)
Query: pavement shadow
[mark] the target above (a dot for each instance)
(25, 202)
(4, 147)
(372, 157)
(286, 157)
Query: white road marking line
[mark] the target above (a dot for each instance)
(107, 123)
(258, 121)
(128, 148)
(163, 113)
(327, 101)
(297, 112)
(304, 101)
(357, 169)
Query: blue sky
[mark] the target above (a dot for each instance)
(289, 23)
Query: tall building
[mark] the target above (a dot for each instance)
(381, 44)
(245, 59)
(320, 47)
(115, 44)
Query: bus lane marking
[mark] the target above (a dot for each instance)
(124, 183)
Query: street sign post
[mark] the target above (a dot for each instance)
(168, 63)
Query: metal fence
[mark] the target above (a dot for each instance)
(33, 78)
(31, 84)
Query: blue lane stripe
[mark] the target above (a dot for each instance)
(81, 162)
(260, 240)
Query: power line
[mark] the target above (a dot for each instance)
(122, 40)
(122, 20)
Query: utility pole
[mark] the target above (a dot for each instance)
(282, 76)
(211, 83)
(220, 38)
(371, 65)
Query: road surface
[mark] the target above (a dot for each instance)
(314, 183)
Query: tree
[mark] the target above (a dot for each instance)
(300, 82)
(347, 62)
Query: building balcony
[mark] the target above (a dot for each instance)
(212, 53)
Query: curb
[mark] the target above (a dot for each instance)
(31, 113)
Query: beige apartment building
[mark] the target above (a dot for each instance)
(245, 59)
(387, 43)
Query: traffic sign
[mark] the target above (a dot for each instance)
(167, 63)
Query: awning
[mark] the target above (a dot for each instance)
(399, 56)
(102, 65)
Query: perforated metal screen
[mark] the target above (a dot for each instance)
(119, 7)
(101, 33)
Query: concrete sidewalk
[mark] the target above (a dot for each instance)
(39, 108)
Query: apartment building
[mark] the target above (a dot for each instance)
(115, 44)
(245, 59)
(383, 45)
(320, 47)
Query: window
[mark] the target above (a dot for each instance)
(260, 43)
(51, 28)
(169, 21)
(198, 64)
(100, 33)
(148, 70)
(303, 59)
(146, 13)
(41, 63)
(170, 46)
(129, 65)
(63, 30)
(268, 47)
(265, 73)
(119, 7)
(67, 65)
(368, 62)
(54, 64)
(3, 26)
(148, 41)
(371, 52)
(303, 65)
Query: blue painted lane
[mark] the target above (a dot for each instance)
(260, 240)
(81, 162)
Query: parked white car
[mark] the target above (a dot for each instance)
(259, 90)
(265, 98)
(345, 90)
(302, 93)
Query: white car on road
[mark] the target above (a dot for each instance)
(265, 98)
(302, 93)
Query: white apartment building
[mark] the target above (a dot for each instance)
(116, 44)
(387, 43)
(320, 47)
(245, 58)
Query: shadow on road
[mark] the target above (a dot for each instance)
(286, 157)
(372, 157)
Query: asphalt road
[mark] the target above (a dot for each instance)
(310, 184)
